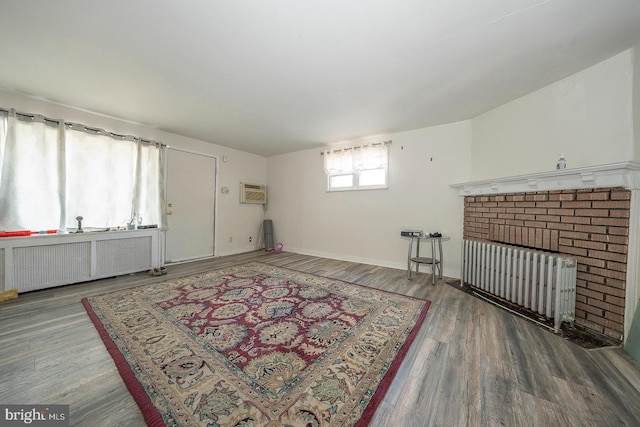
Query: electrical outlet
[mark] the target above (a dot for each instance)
(230, 239)
(250, 239)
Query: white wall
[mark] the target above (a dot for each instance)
(588, 116)
(233, 219)
(365, 226)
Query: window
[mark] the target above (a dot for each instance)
(51, 172)
(357, 168)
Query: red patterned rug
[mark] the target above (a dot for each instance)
(256, 345)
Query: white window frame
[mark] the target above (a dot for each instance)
(356, 181)
(343, 163)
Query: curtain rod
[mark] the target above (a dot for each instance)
(81, 127)
(357, 147)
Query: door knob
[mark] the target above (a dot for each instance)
(169, 212)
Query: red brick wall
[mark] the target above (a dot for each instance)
(592, 225)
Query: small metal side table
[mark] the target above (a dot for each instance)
(435, 260)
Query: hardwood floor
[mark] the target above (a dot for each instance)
(472, 364)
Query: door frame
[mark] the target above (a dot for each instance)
(163, 234)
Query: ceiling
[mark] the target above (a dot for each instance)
(271, 77)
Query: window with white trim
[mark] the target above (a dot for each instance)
(364, 167)
(52, 172)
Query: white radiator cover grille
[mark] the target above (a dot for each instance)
(31, 263)
(539, 281)
(123, 255)
(38, 266)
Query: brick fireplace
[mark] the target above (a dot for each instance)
(591, 224)
(573, 212)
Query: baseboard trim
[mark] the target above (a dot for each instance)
(455, 274)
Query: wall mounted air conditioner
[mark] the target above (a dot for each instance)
(253, 193)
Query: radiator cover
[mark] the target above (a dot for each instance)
(38, 262)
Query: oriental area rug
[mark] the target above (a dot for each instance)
(256, 345)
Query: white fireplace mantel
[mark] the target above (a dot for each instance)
(623, 174)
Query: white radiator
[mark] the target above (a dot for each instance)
(38, 262)
(542, 282)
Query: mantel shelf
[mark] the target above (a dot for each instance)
(623, 174)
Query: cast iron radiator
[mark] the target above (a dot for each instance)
(542, 282)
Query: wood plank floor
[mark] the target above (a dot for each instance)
(472, 364)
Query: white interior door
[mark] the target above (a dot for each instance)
(191, 187)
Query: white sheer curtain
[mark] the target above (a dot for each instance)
(31, 173)
(370, 157)
(113, 179)
(52, 172)
(100, 179)
(348, 160)
(338, 161)
(149, 197)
